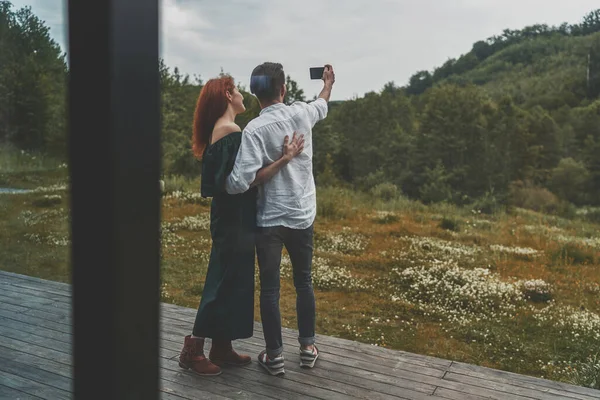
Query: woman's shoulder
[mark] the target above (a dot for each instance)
(224, 131)
(224, 144)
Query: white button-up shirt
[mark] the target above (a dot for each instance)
(289, 198)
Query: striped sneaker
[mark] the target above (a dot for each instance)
(308, 357)
(273, 366)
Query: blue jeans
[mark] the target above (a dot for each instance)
(269, 245)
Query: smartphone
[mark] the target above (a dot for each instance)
(317, 72)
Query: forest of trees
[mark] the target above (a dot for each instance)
(517, 119)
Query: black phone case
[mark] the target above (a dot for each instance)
(316, 72)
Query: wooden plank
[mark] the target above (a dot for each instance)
(333, 375)
(63, 317)
(578, 392)
(36, 330)
(31, 387)
(47, 372)
(190, 392)
(242, 387)
(47, 339)
(243, 382)
(35, 321)
(34, 374)
(13, 308)
(170, 396)
(369, 365)
(52, 368)
(464, 381)
(190, 386)
(352, 354)
(454, 395)
(377, 363)
(371, 358)
(29, 291)
(304, 375)
(467, 390)
(23, 301)
(37, 361)
(347, 356)
(41, 351)
(303, 386)
(473, 390)
(184, 322)
(317, 387)
(502, 387)
(9, 278)
(32, 338)
(55, 311)
(43, 335)
(34, 279)
(35, 285)
(13, 394)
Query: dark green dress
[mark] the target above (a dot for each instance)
(226, 310)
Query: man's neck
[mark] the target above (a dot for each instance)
(270, 103)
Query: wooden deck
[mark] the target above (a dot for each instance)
(35, 362)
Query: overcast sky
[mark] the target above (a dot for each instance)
(369, 43)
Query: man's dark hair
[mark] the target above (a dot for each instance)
(266, 81)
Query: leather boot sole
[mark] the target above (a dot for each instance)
(230, 364)
(182, 365)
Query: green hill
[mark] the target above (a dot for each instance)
(515, 120)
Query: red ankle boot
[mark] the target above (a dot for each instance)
(222, 353)
(192, 357)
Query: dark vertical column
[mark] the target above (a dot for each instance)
(114, 153)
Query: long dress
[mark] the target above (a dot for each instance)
(226, 310)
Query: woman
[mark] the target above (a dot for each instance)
(226, 311)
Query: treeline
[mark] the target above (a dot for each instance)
(33, 74)
(516, 120)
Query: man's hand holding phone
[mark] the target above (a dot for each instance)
(328, 75)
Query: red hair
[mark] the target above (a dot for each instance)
(211, 105)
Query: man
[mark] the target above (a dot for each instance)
(286, 206)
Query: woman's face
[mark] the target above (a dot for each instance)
(237, 101)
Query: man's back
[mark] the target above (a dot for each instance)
(289, 198)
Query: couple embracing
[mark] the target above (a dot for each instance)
(263, 198)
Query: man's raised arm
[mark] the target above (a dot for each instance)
(318, 109)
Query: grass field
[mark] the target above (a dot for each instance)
(517, 291)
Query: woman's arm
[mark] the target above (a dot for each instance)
(290, 150)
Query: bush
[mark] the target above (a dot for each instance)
(334, 203)
(436, 188)
(327, 178)
(570, 252)
(14, 160)
(385, 191)
(487, 204)
(450, 224)
(589, 214)
(569, 181)
(526, 195)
